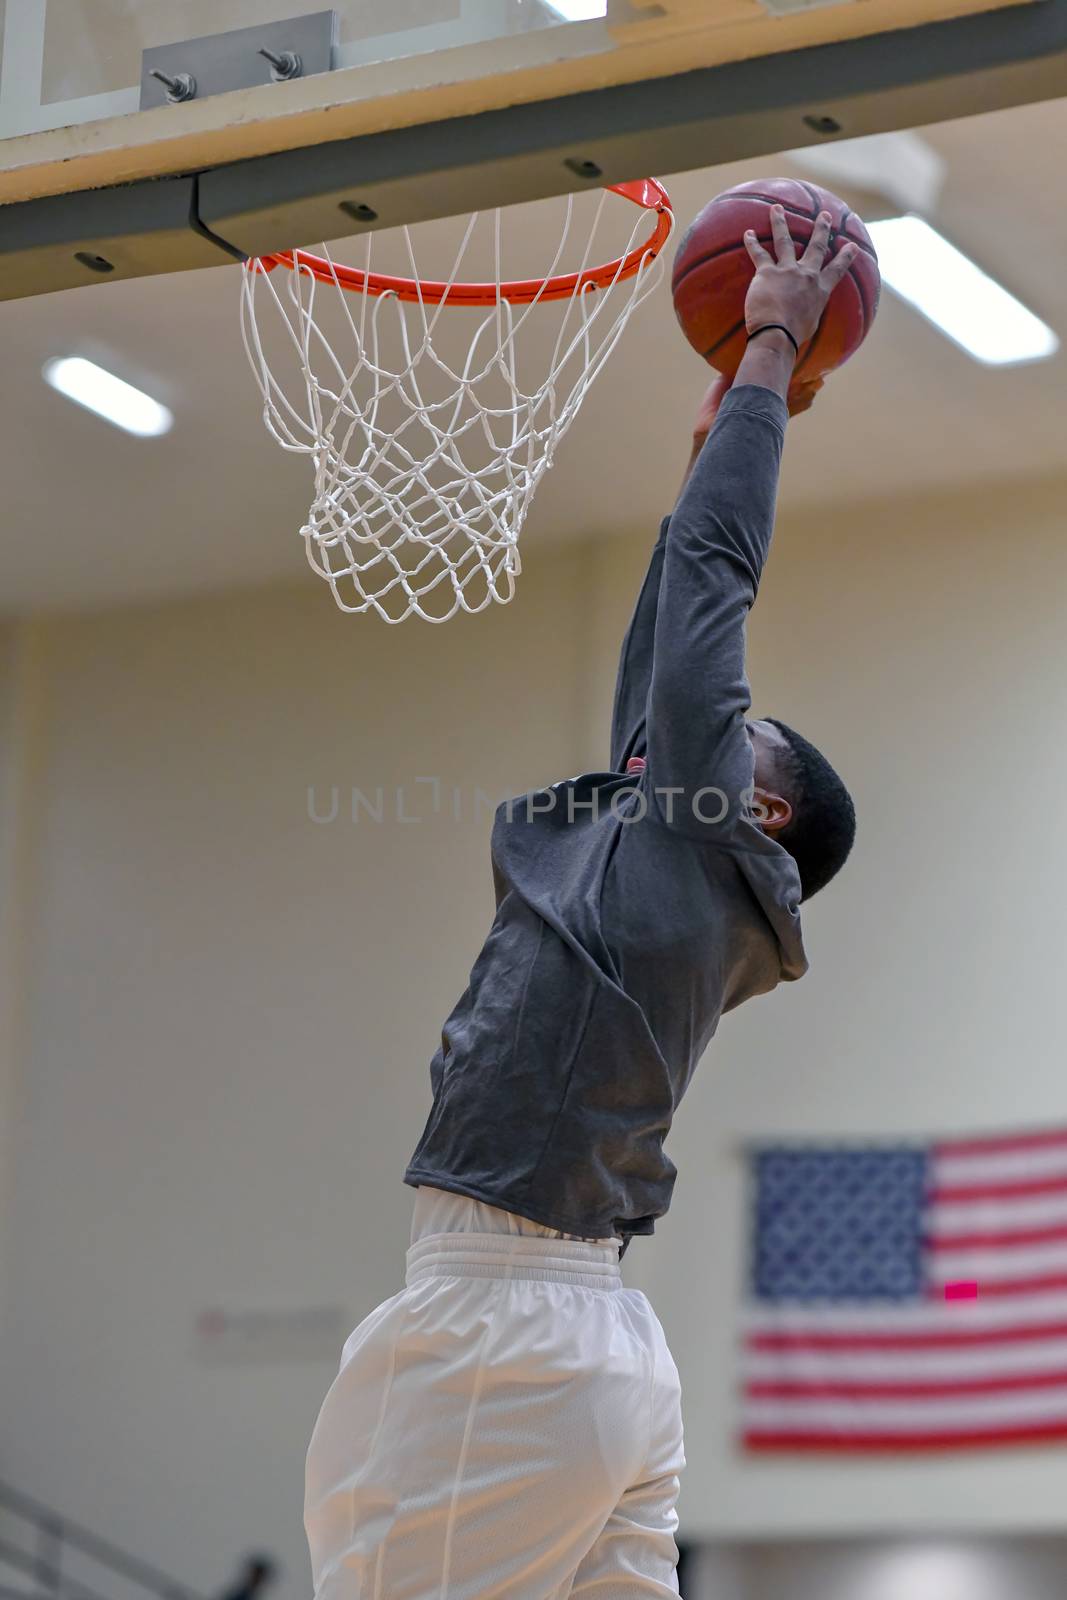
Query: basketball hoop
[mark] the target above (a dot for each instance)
(426, 458)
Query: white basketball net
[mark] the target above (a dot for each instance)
(426, 458)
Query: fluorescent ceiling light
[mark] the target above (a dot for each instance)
(578, 10)
(957, 296)
(100, 391)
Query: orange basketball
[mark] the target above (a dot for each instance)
(712, 272)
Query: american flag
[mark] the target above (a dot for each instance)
(854, 1337)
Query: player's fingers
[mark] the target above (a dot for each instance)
(801, 395)
(835, 270)
(709, 406)
(760, 257)
(784, 248)
(816, 249)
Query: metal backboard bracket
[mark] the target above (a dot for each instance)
(240, 59)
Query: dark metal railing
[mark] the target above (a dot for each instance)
(53, 1536)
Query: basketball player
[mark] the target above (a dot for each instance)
(508, 1427)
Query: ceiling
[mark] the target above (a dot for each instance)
(95, 517)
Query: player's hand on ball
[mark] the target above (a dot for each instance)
(801, 396)
(789, 290)
(709, 406)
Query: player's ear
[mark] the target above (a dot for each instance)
(771, 811)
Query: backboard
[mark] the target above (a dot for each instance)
(426, 108)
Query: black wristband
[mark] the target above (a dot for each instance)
(776, 327)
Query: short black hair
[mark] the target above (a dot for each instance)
(262, 1564)
(823, 827)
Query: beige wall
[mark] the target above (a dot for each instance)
(231, 1007)
(23, 720)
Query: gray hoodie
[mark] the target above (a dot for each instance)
(633, 908)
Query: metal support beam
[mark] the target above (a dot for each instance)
(727, 113)
(67, 240)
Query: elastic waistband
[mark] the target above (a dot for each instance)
(514, 1256)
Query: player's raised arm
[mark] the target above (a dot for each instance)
(630, 714)
(628, 722)
(719, 536)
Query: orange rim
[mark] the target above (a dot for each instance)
(645, 192)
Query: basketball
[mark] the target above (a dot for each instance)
(712, 272)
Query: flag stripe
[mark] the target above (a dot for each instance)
(925, 1439)
(956, 1338)
(1003, 1168)
(1008, 1239)
(1021, 1189)
(957, 1389)
(1049, 1139)
(1037, 1283)
(943, 1216)
(950, 1265)
(918, 1316)
(890, 1416)
(876, 1366)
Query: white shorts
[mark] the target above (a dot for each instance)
(507, 1427)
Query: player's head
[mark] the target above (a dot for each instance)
(806, 806)
(260, 1570)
